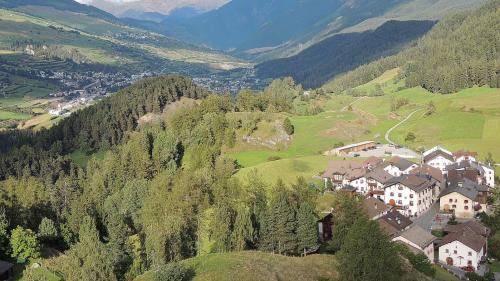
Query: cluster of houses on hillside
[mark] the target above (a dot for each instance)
(406, 198)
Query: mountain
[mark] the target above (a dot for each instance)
(140, 7)
(459, 52)
(262, 29)
(343, 52)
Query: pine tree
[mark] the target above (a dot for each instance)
(4, 235)
(307, 230)
(284, 217)
(368, 254)
(243, 233)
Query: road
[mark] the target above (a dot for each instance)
(425, 220)
(399, 124)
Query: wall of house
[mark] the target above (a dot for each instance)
(413, 203)
(489, 175)
(393, 170)
(460, 254)
(361, 184)
(428, 250)
(463, 206)
(439, 162)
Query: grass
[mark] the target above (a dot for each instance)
(494, 266)
(7, 115)
(443, 275)
(258, 266)
(468, 120)
(81, 157)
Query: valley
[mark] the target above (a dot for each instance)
(348, 140)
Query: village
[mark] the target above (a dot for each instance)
(432, 206)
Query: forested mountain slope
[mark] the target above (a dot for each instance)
(459, 52)
(343, 52)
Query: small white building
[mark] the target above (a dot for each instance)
(438, 157)
(462, 155)
(465, 245)
(411, 194)
(418, 240)
(397, 166)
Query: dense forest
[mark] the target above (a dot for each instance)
(343, 52)
(459, 52)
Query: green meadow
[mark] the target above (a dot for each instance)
(467, 120)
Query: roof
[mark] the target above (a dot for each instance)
(416, 183)
(353, 145)
(427, 152)
(425, 169)
(387, 228)
(5, 266)
(418, 236)
(465, 165)
(472, 225)
(437, 153)
(380, 175)
(396, 220)
(463, 153)
(400, 163)
(374, 207)
(467, 237)
(373, 161)
(467, 188)
(350, 169)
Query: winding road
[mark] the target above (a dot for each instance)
(399, 124)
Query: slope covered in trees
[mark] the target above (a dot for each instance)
(459, 52)
(343, 52)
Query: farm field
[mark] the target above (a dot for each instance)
(464, 120)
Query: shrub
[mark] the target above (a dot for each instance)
(287, 125)
(173, 272)
(273, 158)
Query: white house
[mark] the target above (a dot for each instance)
(489, 175)
(397, 166)
(462, 155)
(411, 194)
(438, 157)
(376, 181)
(465, 245)
(418, 240)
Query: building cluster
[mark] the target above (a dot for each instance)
(405, 196)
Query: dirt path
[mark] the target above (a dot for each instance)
(399, 124)
(347, 106)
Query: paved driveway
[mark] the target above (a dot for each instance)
(429, 220)
(386, 150)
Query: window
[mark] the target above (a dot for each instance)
(411, 203)
(411, 195)
(400, 202)
(466, 201)
(400, 187)
(453, 206)
(392, 193)
(451, 200)
(447, 251)
(455, 252)
(466, 207)
(470, 254)
(400, 195)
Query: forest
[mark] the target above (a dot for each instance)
(457, 53)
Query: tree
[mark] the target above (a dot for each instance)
(489, 159)
(221, 229)
(453, 220)
(173, 272)
(282, 223)
(47, 230)
(368, 254)
(346, 212)
(243, 232)
(431, 108)
(24, 244)
(307, 230)
(288, 127)
(4, 235)
(410, 137)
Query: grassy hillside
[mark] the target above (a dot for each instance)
(259, 266)
(464, 120)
